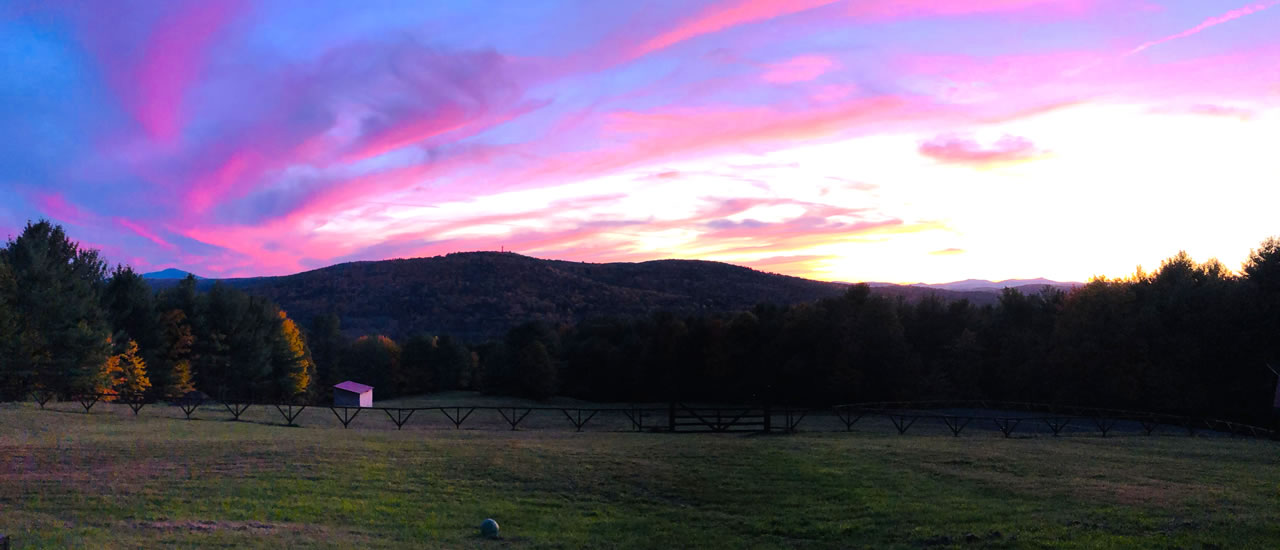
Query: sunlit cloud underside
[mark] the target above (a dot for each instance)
(848, 140)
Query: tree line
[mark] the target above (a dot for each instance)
(70, 326)
(1190, 338)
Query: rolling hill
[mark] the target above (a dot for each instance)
(479, 295)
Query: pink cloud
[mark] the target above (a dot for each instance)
(446, 120)
(540, 231)
(876, 9)
(1209, 109)
(798, 69)
(608, 241)
(725, 15)
(172, 60)
(147, 234)
(426, 99)
(833, 92)
(1006, 87)
(728, 14)
(952, 149)
(802, 263)
(57, 207)
(973, 79)
(235, 173)
(1208, 23)
(682, 131)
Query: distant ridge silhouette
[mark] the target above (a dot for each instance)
(168, 274)
(479, 295)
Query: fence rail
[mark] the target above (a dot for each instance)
(1009, 418)
(1056, 418)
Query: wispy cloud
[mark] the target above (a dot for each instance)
(798, 69)
(1207, 24)
(956, 149)
(725, 15)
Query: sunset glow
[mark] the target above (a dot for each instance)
(854, 140)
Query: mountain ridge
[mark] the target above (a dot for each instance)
(169, 274)
(479, 295)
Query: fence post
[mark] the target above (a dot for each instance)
(671, 417)
(768, 418)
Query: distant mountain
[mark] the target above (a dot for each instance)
(167, 274)
(983, 285)
(980, 284)
(479, 295)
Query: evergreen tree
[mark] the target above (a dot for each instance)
(10, 383)
(536, 374)
(526, 366)
(173, 376)
(63, 339)
(328, 346)
(130, 306)
(233, 346)
(1262, 272)
(418, 359)
(452, 364)
(374, 361)
(183, 297)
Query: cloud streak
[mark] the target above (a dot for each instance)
(725, 15)
(1206, 24)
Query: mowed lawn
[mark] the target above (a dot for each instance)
(113, 480)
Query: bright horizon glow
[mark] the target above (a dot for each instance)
(854, 140)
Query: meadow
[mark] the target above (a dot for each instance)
(109, 479)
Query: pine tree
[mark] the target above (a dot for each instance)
(173, 377)
(9, 381)
(130, 306)
(417, 359)
(375, 361)
(63, 339)
(328, 346)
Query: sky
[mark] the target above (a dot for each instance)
(854, 140)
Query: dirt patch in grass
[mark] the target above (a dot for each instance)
(260, 528)
(205, 526)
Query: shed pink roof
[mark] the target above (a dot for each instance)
(353, 387)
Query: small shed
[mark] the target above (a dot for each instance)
(352, 394)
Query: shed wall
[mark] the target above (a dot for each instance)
(344, 398)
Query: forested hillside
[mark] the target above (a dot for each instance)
(479, 295)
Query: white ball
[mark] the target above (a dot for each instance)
(489, 528)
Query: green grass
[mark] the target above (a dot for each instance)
(112, 480)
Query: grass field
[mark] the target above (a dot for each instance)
(112, 480)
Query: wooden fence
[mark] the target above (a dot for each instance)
(1009, 418)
